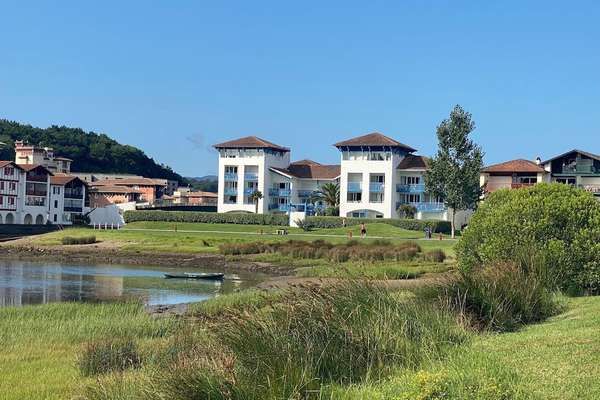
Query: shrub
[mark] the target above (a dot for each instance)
(503, 296)
(68, 240)
(409, 224)
(559, 221)
(109, 356)
(436, 255)
(334, 335)
(207, 217)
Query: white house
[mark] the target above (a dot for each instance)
(378, 174)
(252, 164)
(68, 196)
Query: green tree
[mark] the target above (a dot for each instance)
(255, 197)
(330, 193)
(406, 211)
(453, 174)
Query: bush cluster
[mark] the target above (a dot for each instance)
(437, 226)
(207, 217)
(559, 222)
(109, 356)
(353, 250)
(67, 240)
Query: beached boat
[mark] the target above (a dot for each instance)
(199, 275)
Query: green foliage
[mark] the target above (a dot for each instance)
(68, 240)
(89, 151)
(330, 194)
(453, 174)
(437, 226)
(109, 356)
(337, 335)
(435, 255)
(560, 222)
(407, 211)
(206, 217)
(255, 197)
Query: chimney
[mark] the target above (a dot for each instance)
(538, 161)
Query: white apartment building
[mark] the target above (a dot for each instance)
(31, 194)
(252, 164)
(378, 174)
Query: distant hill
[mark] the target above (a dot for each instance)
(90, 151)
(208, 183)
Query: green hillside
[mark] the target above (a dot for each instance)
(90, 151)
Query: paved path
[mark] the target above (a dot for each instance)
(273, 234)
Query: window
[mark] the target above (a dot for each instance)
(9, 171)
(410, 180)
(55, 217)
(354, 197)
(11, 201)
(1, 200)
(55, 203)
(375, 197)
(1, 185)
(231, 169)
(56, 190)
(13, 186)
(410, 198)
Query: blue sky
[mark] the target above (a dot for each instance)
(175, 77)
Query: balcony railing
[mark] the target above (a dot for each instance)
(280, 192)
(231, 177)
(376, 187)
(417, 188)
(305, 193)
(251, 177)
(231, 191)
(249, 191)
(40, 193)
(73, 194)
(354, 187)
(426, 207)
(35, 201)
(279, 207)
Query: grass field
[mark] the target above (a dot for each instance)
(198, 237)
(557, 359)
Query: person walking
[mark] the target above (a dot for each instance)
(363, 230)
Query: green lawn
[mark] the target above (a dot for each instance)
(199, 237)
(558, 359)
(40, 343)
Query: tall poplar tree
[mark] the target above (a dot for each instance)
(453, 174)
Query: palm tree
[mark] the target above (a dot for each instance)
(330, 192)
(255, 197)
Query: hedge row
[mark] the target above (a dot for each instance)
(207, 217)
(437, 226)
(279, 219)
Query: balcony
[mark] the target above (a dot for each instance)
(418, 188)
(280, 192)
(305, 193)
(73, 194)
(251, 177)
(354, 187)
(376, 187)
(249, 191)
(35, 201)
(33, 192)
(426, 207)
(279, 207)
(230, 191)
(231, 177)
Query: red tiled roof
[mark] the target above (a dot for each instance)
(250, 142)
(114, 189)
(5, 163)
(412, 162)
(514, 166)
(128, 182)
(63, 179)
(30, 167)
(373, 139)
(308, 169)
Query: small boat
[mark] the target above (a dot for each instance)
(200, 275)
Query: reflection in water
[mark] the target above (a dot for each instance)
(24, 283)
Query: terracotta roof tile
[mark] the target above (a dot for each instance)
(128, 182)
(250, 142)
(308, 169)
(5, 163)
(373, 139)
(414, 162)
(63, 179)
(113, 189)
(519, 165)
(200, 194)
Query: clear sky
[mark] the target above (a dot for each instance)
(174, 77)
